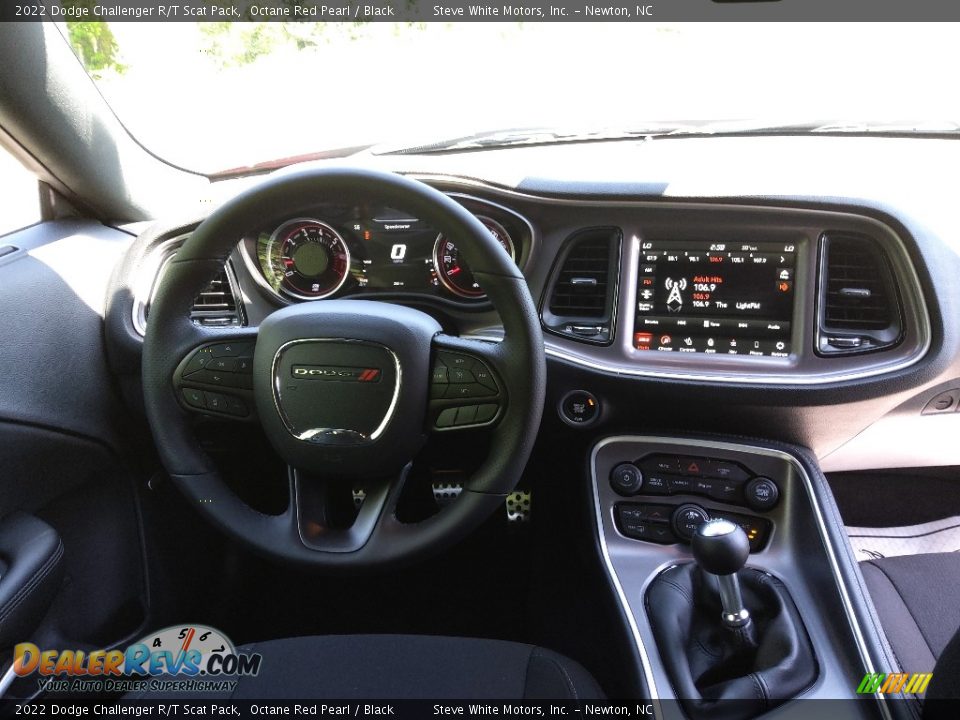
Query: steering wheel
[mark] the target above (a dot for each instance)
(346, 390)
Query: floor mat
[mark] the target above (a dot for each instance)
(931, 537)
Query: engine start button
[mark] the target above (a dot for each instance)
(578, 408)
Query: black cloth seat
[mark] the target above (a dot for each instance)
(917, 598)
(405, 667)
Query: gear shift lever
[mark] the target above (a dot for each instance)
(721, 548)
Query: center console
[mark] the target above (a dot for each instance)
(816, 640)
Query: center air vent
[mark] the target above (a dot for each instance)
(582, 293)
(859, 303)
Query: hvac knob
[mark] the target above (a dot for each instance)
(687, 518)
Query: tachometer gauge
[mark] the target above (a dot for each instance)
(305, 259)
(453, 271)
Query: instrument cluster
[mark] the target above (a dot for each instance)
(341, 250)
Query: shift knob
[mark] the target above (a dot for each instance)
(720, 547)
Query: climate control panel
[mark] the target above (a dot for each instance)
(676, 523)
(655, 477)
(722, 480)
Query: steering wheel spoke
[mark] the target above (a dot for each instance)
(331, 516)
(465, 390)
(216, 377)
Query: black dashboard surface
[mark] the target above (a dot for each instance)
(775, 184)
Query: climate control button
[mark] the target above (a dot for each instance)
(687, 518)
(762, 493)
(626, 479)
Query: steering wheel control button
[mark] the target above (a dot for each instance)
(197, 362)
(579, 408)
(215, 401)
(447, 418)
(762, 494)
(466, 415)
(626, 479)
(194, 398)
(440, 376)
(459, 375)
(687, 518)
(232, 349)
(486, 412)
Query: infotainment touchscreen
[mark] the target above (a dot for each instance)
(732, 298)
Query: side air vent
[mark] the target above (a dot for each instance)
(216, 304)
(581, 297)
(859, 302)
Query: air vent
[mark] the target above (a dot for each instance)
(582, 297)
(216, 304)
(859, 304)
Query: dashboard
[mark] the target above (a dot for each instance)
(720, 292)
(847, 353)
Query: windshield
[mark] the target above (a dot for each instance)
(213, 96)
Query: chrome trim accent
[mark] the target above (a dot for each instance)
(309, 435)
(445, 281)
(729, 447)
(346, 247)
(148, 277)
(553, 275)
(591, 364)
(531, 231)
(615, 579)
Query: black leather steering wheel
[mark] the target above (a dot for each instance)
(306, 386)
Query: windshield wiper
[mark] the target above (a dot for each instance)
(530, 136)
(722, 128)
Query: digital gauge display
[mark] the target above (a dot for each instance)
(370, 251)
(717, 298)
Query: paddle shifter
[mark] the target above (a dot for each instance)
(721, 548)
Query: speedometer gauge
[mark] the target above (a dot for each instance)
(453, 271)
(306, 259)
